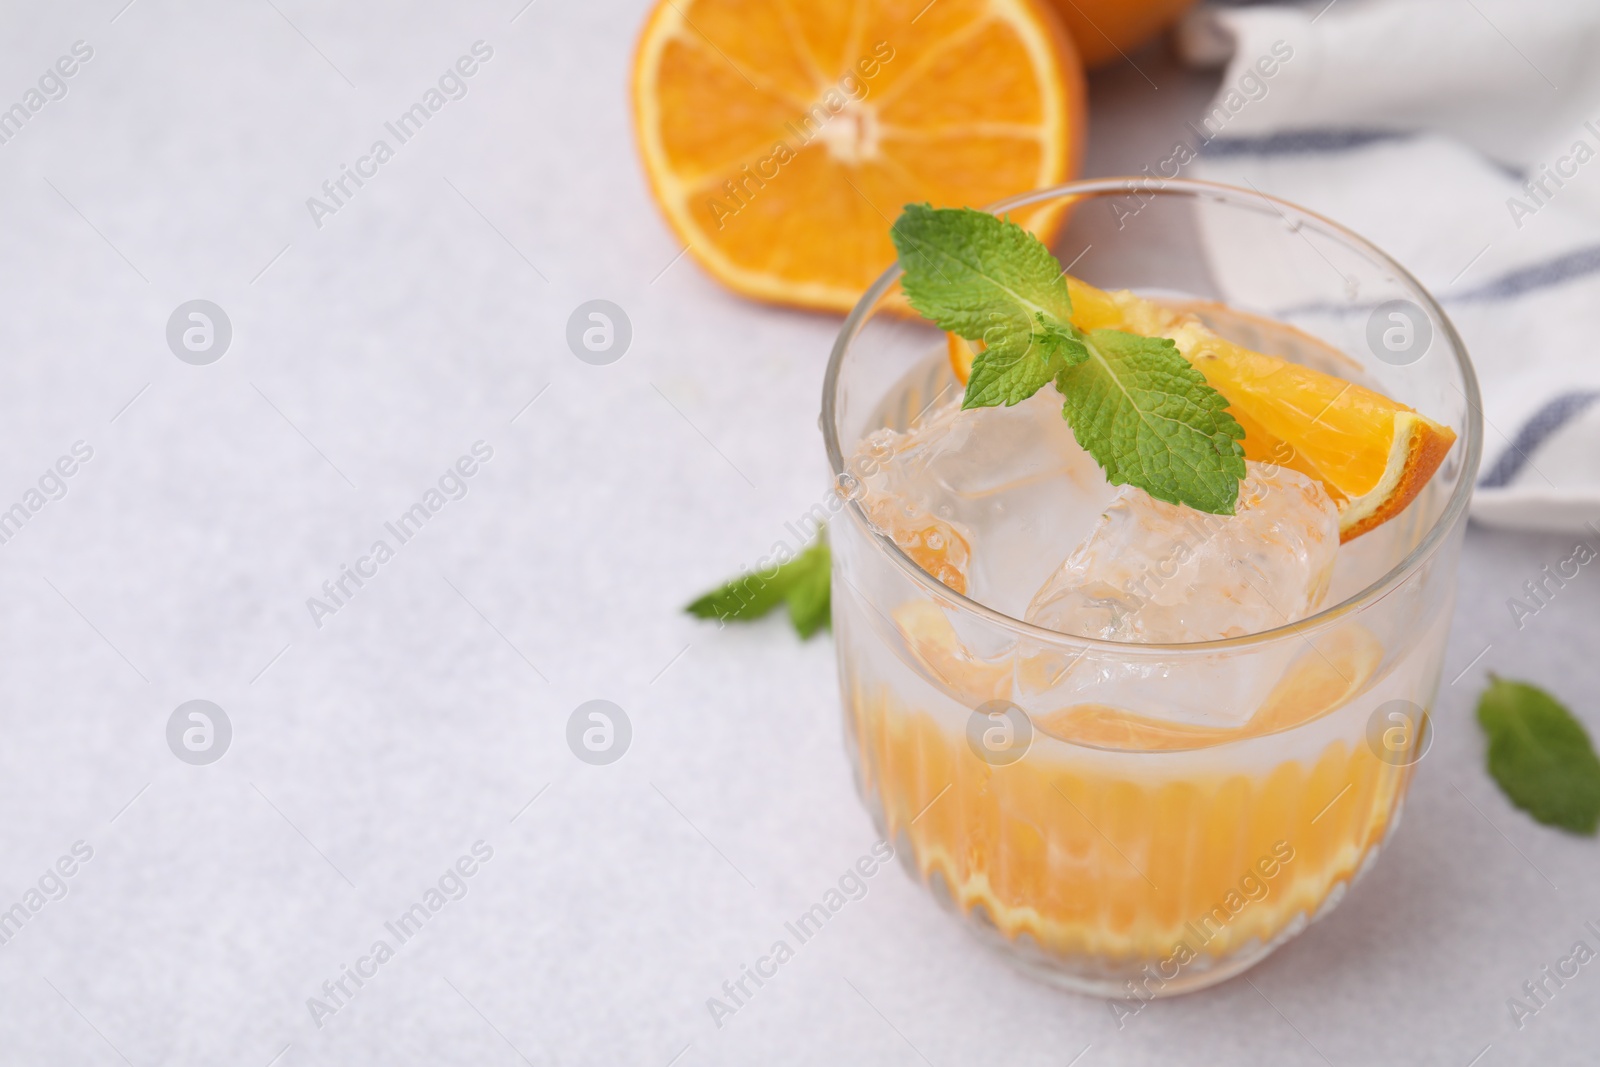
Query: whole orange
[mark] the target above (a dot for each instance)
(1105, 30)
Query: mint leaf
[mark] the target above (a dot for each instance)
(1540, 755)
(969, 271)
(802, 584)
(1149, 419)
(989, 279)
(1014, 370)
(809, 597)
(749, 596)
(1135, 404)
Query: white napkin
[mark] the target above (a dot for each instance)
(1416, 123)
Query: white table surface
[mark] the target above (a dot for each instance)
(370, 753)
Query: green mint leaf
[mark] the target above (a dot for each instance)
(802, 584)
(1540, 755)
(988, 279)
(747, 597)
(809, 597)
(1011, 372)
(1149, 419)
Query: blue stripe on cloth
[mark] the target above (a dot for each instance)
(1519, 281)
(1297, 142)
(1555, 414)
(1514, 283)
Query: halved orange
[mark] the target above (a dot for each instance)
(1371, 453)
(781, 140)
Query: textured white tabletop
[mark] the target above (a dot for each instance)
(428, 711)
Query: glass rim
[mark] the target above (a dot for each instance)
(1426, 548)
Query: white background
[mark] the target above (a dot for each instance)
(370, 753)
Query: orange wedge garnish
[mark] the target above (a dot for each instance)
(962, 353)
(1372, 454)
(781, 139)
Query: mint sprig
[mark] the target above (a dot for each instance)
(802, 584)
(1134, 403)
(1541, 755)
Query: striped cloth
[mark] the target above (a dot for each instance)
(1463, 138)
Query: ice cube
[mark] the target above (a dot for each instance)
(982, 499)
(1157, 572)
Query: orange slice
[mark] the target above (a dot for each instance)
(781, 139)
(1324, 677)
(1372, 454)
(1334, 669)
(1107, 727)
(962, 353)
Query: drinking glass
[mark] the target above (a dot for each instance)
(1141, 864)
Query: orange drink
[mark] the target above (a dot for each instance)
(1135, 746)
